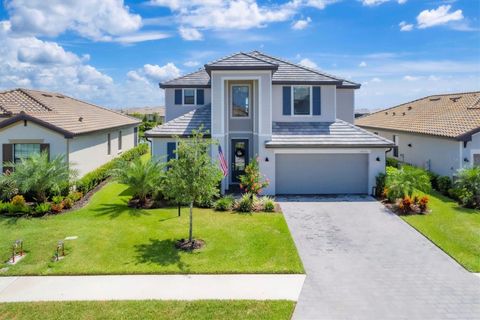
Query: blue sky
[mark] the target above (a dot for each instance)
(114, 52)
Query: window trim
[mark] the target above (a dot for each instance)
(292, 100)
(194, 97)
(249, 99)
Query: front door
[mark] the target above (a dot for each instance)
(239, 158)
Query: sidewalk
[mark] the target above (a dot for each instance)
(151, 287)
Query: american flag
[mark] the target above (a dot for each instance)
(223, 163)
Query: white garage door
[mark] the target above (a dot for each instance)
(321, 173)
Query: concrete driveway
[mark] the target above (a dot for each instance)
(364, 263)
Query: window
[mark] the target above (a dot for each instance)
(188, 96)
(109, 144)
(301, 101)
(25, 150)
(395, 149)
(240, 101)
(119, 140)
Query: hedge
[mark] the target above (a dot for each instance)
(95, 177)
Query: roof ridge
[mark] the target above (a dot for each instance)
(24, 91)
(223, 58)
(322, 73)
(259, 59)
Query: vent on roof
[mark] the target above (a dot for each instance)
(434, 99)
(386, 112)
(394, 113)
(80, 119)
(403, 113)
(61, 97)
(455, 99)
(409, 107)
(47, 95)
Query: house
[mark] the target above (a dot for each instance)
(88, 135)
(150, 113)
(440, 133)
(297, 120)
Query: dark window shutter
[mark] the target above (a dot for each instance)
(7, 155)
(45, 147)
(178, 96)
(317, 101)
(171, 146)
(135, 136)
(287, 101)
(200, 97)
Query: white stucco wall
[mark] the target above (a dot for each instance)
(328, 106)
(33, 133)
(439, 155)
(159, 148)
(90, 151)
(173, 111)
(472, 147)
(345, 104)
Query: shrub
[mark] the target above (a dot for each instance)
(95, 177)
(380, 180)
(443, 184)
(7, 188)
(57, 207)
(205, 202)
(403, 182)
(75, 196)
(433, 179)
(18, 200)
(4, 207)
(57, 199)
(406, 205)
(392, 162)
(42, 208)
(268, 204)
(224, 204)
(245, 203)
(252, 181)
(423, 204)
(67, 203)
(468, 185)
(18, 205)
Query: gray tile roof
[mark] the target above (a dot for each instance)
(241, 61)
(287, 72)
(184, 125)
(339, 134)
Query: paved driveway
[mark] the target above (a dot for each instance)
(364, 263)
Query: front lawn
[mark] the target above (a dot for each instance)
(454, 229)
(213, 309)
(115, 239)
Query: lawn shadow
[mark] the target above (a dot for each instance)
(114, 210)
(9, 220)
(160, 252)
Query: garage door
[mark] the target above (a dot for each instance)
(321, 173)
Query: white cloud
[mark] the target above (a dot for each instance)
(439, 16)
(433, 78)
(308, 63)
(373, 2)
(154, 73)
(411, 78)
(401, 1)
(301, 24)
(190, 34)
(319, 4)
(376, 79)
(97, 20)
(405, 26)
(362, 64)
(191, 64)
(141, 37)
(30, 62)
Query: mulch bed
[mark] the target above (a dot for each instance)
(185, 245)
(86, 197)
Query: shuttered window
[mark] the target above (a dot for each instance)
(200, 97)
(287, 101)
(135, 136)
(178, 96)
(317, 101)
(119, 140)
(7, 156)
(109, 144)
(171, 146)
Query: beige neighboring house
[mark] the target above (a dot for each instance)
(88, 135)
(440, 133)
(149, 112)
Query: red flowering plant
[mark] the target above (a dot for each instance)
(252, 181)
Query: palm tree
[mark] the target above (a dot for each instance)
(143, 177)
(39, 176)
(403, 182)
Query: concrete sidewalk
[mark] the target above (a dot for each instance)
(152, 287)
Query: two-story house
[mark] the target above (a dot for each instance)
(297, 120)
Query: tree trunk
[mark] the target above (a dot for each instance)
(190, 234)
(179, 207)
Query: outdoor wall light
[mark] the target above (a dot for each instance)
(410, 145)
(378, 159)
(266, 159)
(466, 160)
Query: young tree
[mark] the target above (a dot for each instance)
(143, 177)
(192, 175)
(40, 176)
(253, 181)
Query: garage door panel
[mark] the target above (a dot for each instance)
(321, 173)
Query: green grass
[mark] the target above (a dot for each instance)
(115, 239)
(454, 229)
(144, 310)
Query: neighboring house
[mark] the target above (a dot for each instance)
(151, 113)
(88, 135)
(297, 120)
(440, 133)
(362, 112)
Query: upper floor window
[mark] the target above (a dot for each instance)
(301, 100)
(188, 96)
(240, 101)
